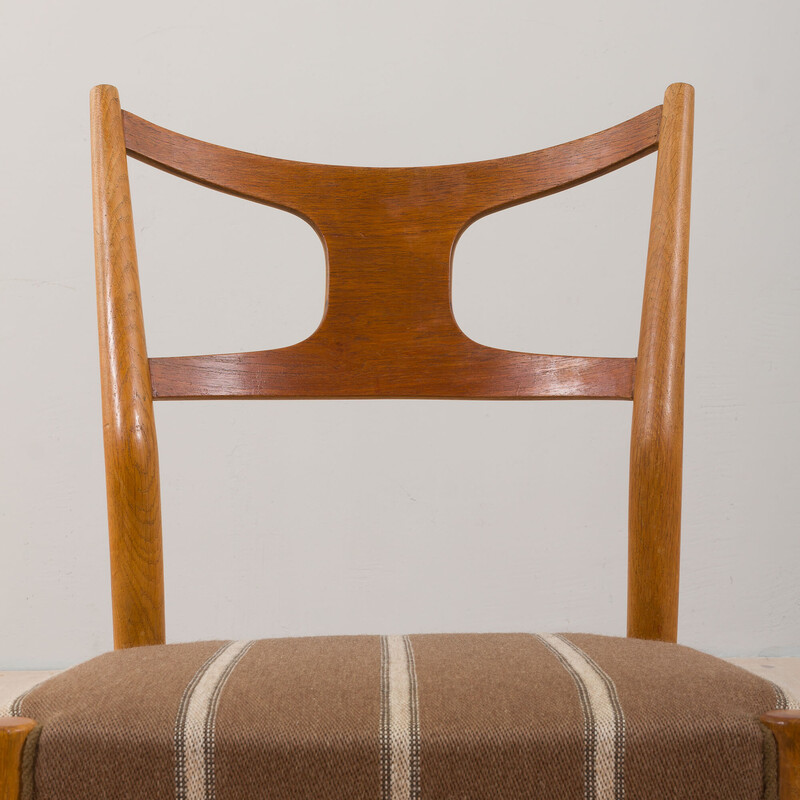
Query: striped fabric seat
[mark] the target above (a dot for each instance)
(428, 717)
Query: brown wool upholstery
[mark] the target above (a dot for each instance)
(421, 717)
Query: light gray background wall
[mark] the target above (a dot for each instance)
(316, 518)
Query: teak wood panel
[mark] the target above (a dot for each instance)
(389, 235)
(388, 330)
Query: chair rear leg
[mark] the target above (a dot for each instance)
(13, 732)
(786, 727)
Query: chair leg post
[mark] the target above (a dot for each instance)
(785, 725)
(13, 732)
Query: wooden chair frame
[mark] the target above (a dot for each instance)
(389, 331)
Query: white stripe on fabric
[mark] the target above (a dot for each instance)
(12, 708)
(604, 744)
(400, 732)
(784, 699)
(194, 736)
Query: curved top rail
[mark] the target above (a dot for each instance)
(388, 329)
(459, 192)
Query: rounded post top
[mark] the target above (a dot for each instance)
(16, 725)
(782, 718)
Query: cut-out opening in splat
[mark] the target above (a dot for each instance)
(521, 280)
(220, 274)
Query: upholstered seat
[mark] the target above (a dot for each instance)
(436, 716)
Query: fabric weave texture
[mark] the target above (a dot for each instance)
(424, 717)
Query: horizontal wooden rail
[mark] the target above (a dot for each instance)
(311, 370)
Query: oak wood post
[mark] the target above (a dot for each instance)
(131, 455)
(13, 732)
(657, 428)
(785, 725)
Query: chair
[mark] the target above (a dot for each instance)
(397, 717)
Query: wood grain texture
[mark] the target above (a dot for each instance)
(132, 478)
(389, 234)
(388, 329)
(13, 732)
(657, 430)
(391, 368)
(446, 196)
(785, 725)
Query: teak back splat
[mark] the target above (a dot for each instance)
(388, 328)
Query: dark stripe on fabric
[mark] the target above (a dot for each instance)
(414, 735)
(385, 734)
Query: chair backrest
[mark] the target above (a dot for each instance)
(388, 329)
